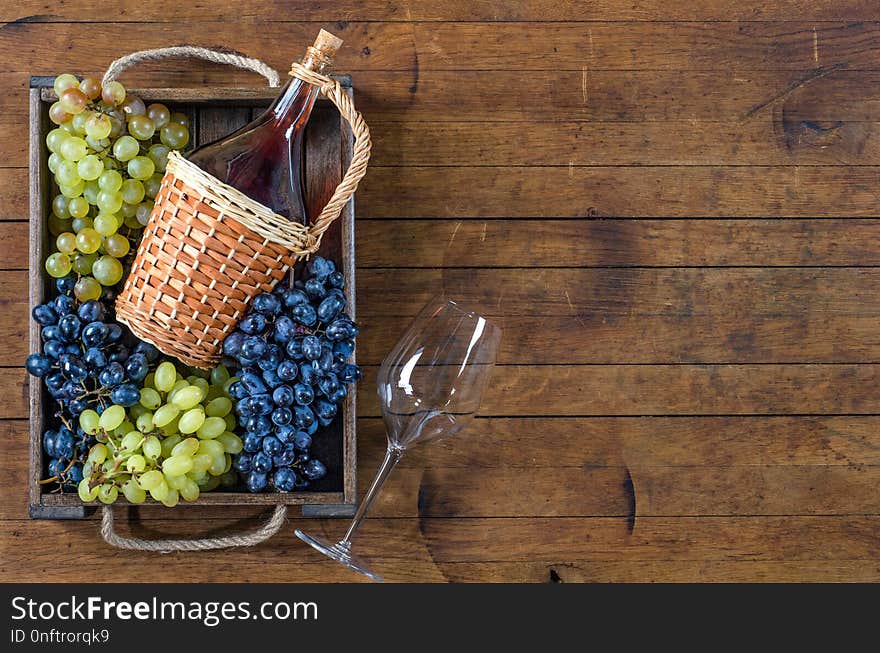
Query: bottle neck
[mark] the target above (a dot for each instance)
(297, 97)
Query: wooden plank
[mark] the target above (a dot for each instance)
(169, 11)
(618, 243)
(679, 192)
(14, 191)
(766, 140)
(613, 316)
(588, 243)
(628, 390)
(451, 46)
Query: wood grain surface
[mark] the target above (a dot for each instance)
(673, 209)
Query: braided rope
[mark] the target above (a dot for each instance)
(215, 56)
(267, 530)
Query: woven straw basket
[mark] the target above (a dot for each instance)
(208, 249)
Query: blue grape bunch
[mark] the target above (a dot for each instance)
(293, 348)
(85, 363)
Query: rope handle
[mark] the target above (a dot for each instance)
(331, 88)
(263, 533)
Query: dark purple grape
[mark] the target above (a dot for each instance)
(271, 445)
(38, 364)
(69, 326)
(295, 298)
(314, 470)
(284, 479)
(253, 324)
(232, 344)
(45, 315)
(256, 481)
(287, 370)
(267, 304)
(91, 311)
(283, 395)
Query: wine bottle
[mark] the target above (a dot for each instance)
(263, 159)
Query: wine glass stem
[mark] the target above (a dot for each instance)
(392, 457)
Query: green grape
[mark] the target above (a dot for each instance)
(67, 174)
(231, 442)
(187, 447)
(171, 499)
(165, 414)
(166, 376)
(209, 483)
(82, 263)
(73, 100)
(117, 245)
(112, 417)
(85, 493)
(56, 137)
(128, 210)
(158, 154)
(219, 407)
(189, 490)
(79, 224)
(174, 135)
(107, 270)
(211, 428)
(177, 465)
(133, 106)
(230, 422)
(90, 191)
(132, 190)
(201, 463)
(141, 127)
(88, 240)
(202, 384)
(66, 242)
(136, 411)
(149, 379)
(126, 148)
(110, 180)
(91, 87)
(117, 123)
(58, 265)
(229, 479)
(152, 448)
(113, 93)
(179, 384)
(98, 144)
(159, 114)
(57, 226)
(90, 167)
(105, 224)
(152, 185)
(53, 162)
(187, 397)
(87, 288)
(150, 399)
(78, 207)
(108, 493)
(151, 479)
(89, 422)
(174, 482)
(136, 463)
(79, 122)
(144, 422)
(179, 118)
(211, 448)
(161, 491)
(169, 443)
(143, 212)
(64, 82)
(123, 429)
(58, 115)
(192, 420)
(171, 429)
(132, 440)
(109, 202)
(72, 191)
(219, 375)
(59, 206)
(141, 167)
(132, 492)
(73, 149)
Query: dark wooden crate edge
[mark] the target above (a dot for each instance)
(69, 506)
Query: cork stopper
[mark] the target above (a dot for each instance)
(319, 57)
(327, 43)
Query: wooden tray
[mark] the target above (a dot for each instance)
(213, 112)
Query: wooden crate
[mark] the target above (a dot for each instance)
(213, 113)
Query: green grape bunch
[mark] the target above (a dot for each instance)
(177, 442)
(107, 155)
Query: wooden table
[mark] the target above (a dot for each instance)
(672, 207)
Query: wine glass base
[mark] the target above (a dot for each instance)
(339, 553)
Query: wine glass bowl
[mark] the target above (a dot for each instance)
(430, 386)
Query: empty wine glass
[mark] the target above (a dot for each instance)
(430, 387)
